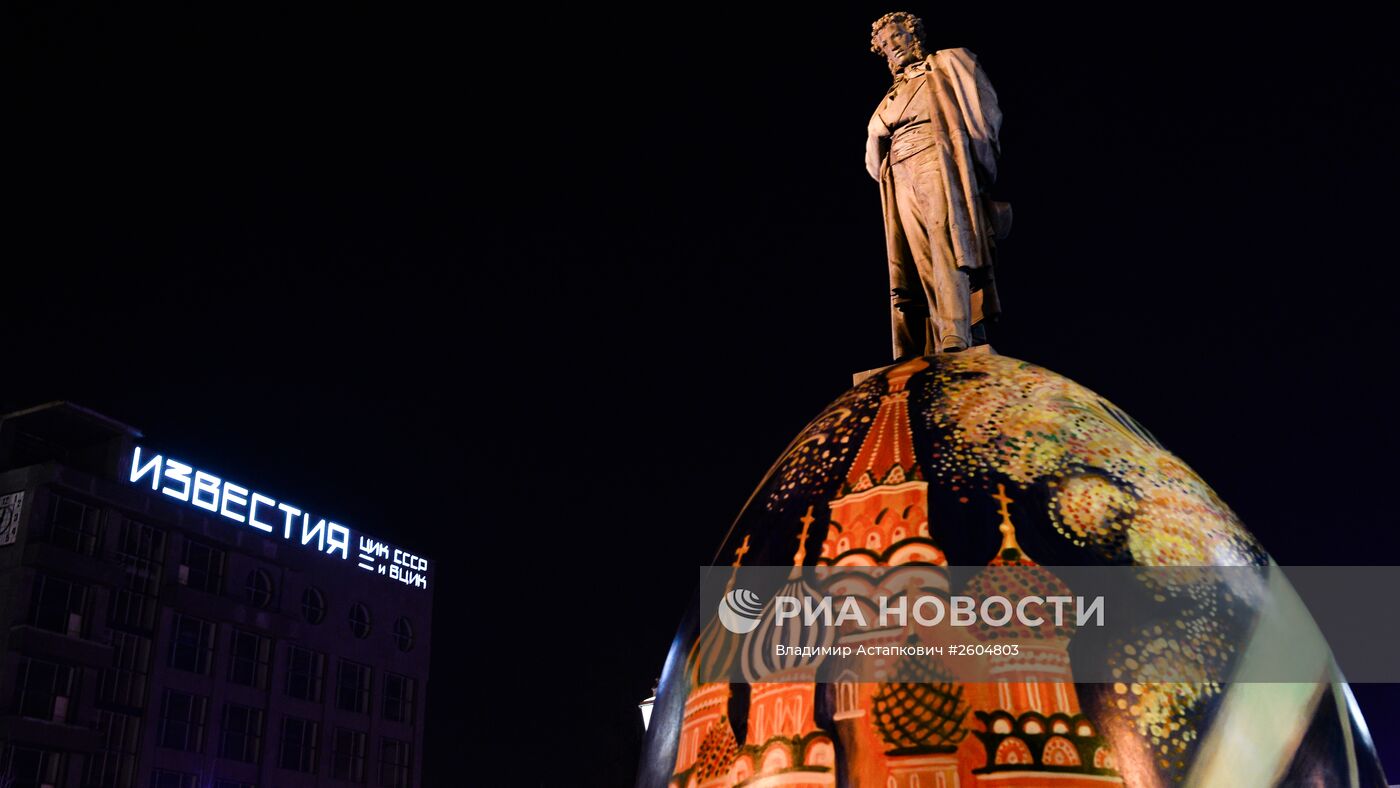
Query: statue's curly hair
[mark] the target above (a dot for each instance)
(903, 18)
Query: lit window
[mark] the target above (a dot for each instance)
(359, 620)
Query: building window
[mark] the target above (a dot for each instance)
(141, 550)
(139, 540)
(59, 605)
(11, 514)
(400, 697)
(74, 525)
(203, 567)
(403, 634)
(250, 659)
(124, 684)
(44, 690)
(160, 778)
(359, 621)
(182, 718)
(242, 733)
(313, 605)
(306, 673)
(395, 763)
(258, 590)
(300, 740)
(23, 767)
(192, 644)
(114, 765)
(348, 756)
(352, 687)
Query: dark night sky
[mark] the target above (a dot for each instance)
(541, 297)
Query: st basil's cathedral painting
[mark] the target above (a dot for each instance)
(966, 460)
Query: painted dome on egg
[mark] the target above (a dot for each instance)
(979, 460)
(1017, 577)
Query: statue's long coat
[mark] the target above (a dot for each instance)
(966, 122)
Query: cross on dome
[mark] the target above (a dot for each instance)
(739, 553)
(1008, 530)
(807, 520)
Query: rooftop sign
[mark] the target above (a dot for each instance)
(276, 519)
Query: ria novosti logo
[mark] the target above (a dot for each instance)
(739, 611)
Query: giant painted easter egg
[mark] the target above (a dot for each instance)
(928, 463)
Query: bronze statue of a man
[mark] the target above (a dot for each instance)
(933, 147)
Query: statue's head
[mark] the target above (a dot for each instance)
(899, 37)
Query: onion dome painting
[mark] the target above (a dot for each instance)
(973, 473)
(922, 714)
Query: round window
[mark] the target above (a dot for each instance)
(403, 634)
(313, 605)
(359, 620)
(258, 590)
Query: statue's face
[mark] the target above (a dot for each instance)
(899, 46)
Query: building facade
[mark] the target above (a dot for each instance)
(161, 627)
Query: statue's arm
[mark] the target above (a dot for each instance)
(876, 145)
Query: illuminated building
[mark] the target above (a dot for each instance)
(164, 627)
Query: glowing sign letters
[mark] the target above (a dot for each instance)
(255, 510)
